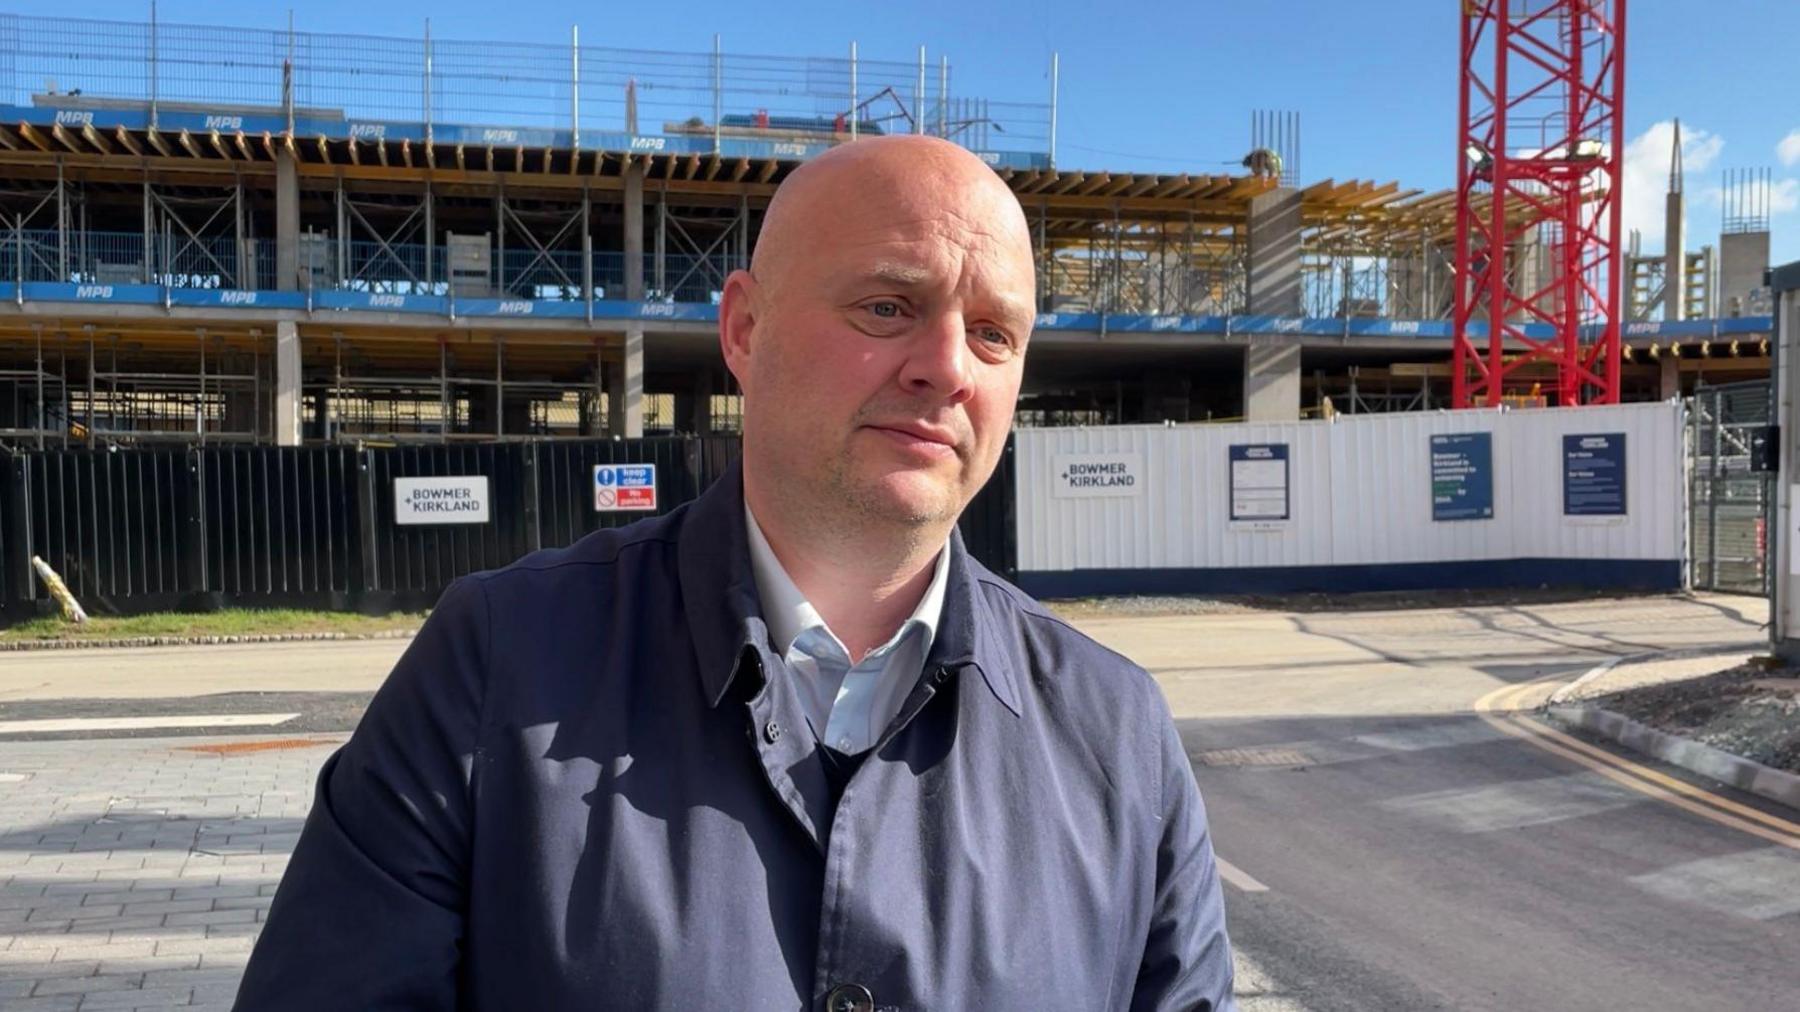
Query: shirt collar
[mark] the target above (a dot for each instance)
(725, 618)
(788, 612)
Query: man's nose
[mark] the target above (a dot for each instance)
(938, 360)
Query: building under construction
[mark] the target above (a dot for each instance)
(218, 234)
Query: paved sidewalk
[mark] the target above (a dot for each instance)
(137, 872)
(1652, 670)
(161, 672)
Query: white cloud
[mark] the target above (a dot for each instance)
(1646, 175)
(1788, 150)
(1784, 196)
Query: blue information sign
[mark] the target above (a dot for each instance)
(1462, 476)
(1594, 475)
(1259, 482)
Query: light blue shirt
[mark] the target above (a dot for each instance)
(848, 705)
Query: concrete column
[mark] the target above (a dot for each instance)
(1743, 257)
(693, 410)
(287, 222)
(592, 399)
(634, 231)
(1406, 283)
(515, 412)
(1668, 378)
(625, 387)
(1272, 365)
(1272, 379)
(316, 428)
(1675, 257)
(240, 411)
(584, 423)
(1274, 250)
(287, 384)
(1164, 397)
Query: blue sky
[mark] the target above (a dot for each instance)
(1168, 86)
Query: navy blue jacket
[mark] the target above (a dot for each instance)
(588, 784)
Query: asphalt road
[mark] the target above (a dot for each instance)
(1395, 850)
(1388, 846)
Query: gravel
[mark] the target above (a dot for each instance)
(1150, 605)
(1752, 710)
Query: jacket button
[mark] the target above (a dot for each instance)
(941, 676)
(772, 732)
(849, 998)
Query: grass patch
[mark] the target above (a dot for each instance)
(229, 622)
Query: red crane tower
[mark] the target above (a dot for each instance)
(1541, 142)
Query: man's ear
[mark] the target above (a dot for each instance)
(738, 307)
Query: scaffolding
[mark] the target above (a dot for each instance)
(519, 271)
(97, 387)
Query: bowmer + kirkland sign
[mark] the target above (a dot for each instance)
(1093, 475)
(456, 500)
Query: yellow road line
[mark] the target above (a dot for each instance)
(1568, 741)
(1495, 708)
(1654, 776)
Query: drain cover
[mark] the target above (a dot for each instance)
(1252, 757)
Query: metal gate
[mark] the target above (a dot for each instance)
(1729, 504)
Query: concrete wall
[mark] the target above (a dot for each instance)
(1420, 287)
(1743, 258)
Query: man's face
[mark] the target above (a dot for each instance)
(887, 352)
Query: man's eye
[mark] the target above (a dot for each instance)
(993, 336)
(885, 310)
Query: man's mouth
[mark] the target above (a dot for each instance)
(921, 440)
(921, 433)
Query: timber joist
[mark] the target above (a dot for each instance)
(1359, 215)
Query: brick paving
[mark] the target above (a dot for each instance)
(135, 873)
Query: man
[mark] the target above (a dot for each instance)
(788, 747)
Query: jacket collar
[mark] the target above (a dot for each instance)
(718, 592)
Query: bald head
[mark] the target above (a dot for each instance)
(883, 182)
(879, 340)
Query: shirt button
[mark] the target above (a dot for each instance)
(772, 732)
(843, 744)
(850, 998)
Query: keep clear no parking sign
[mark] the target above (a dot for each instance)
(624, 487)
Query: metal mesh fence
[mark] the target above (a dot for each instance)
(174, 259)
(178, 260)
(679, 93)
(476, 82)
(1730, 503)
(112, 59)
(216, 65)
(367, 76)
(501, 84)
